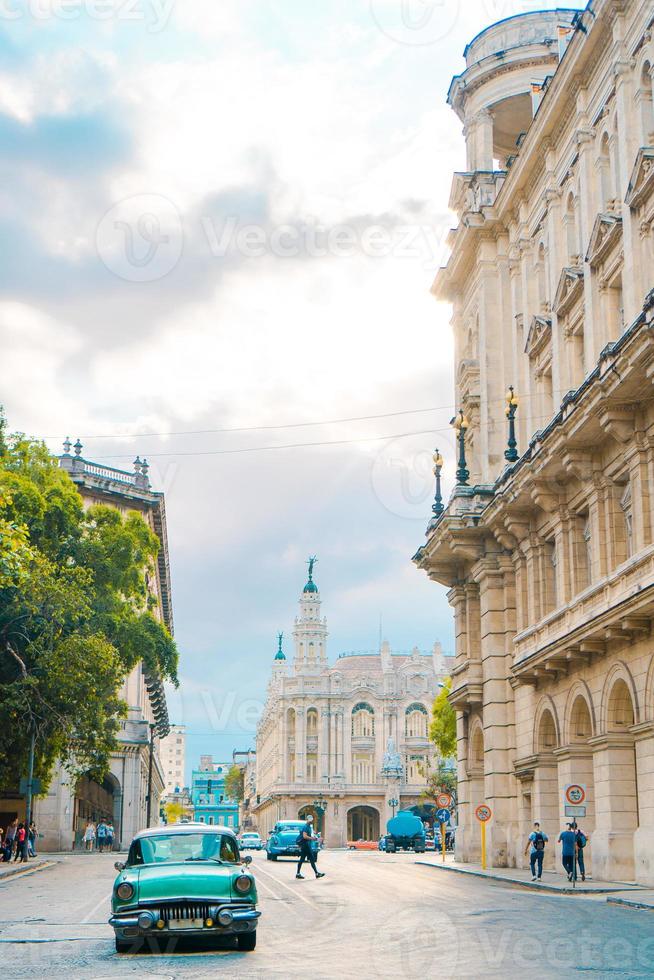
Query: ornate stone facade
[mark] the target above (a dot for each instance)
(550, 560)
(326, 732)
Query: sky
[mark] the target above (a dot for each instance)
(219, 225)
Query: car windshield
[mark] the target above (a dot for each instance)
(177, 848)
(290, 825)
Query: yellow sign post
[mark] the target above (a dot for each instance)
(483, 814)
(443, 840)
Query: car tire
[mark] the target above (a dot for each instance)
(123, 945)
(247, 942)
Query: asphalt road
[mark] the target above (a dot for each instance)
(373, 915)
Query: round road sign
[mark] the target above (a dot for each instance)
(443, 801)
(483, 812)
(443, 815)
(575, 794)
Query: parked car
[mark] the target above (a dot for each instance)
(186, 880)
(430, 842)
(250, 841)
(363, 845)
(283, 841)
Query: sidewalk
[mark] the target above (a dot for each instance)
(552, 880)
(641, 900)
(10, 868)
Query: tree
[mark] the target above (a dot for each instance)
(442, 730)
(174, 812)
(234, 784)
(75, 616)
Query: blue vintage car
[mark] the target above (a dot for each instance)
(184, 881)
(282, 842)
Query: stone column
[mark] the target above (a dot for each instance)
(644, 836)
(343, 746)
(576, 766)
(324, 742)
(300, 743)
(544, 803)
(497, 612)
(616, 806)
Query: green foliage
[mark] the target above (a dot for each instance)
(75, 616)
(234, 788)
(442, 730)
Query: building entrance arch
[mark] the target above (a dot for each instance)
(363, 823)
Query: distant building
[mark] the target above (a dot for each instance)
(343, 741)
(247, 761)
(172, 751)
(122, 797)
(210, 803)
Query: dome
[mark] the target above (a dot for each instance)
(280, 653)
(310, 586)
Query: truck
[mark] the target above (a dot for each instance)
(405, 832)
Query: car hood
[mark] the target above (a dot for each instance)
(287, 836)
(170, 881)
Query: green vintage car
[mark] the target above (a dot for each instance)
(184, 880)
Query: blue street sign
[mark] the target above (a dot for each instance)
(443, 816)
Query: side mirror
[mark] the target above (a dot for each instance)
(119, 866)
(247, 859)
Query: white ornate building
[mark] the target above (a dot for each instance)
(549, 552)
(325, 732)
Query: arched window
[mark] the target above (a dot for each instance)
(620, 708)
(581, 727)
(546, 733)
(312, 722)
(415, 721)
(363, 720)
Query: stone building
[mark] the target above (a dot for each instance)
(208, 797)
(122, 797)
(341, 741)
(548, 552)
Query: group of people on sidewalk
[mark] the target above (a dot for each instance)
(18, 842)
(100, 835)
(572, 841)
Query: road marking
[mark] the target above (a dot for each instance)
(105, 898)
(293, 891)
(262, 884)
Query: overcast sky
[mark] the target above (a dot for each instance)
(227, 215)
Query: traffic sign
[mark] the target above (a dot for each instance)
(574, 794)
(443, 815)
(483, 812)
(24, 783)
(443, 801)
(575, 811)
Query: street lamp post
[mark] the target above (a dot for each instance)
(394, 803)
(511, 454)
(461, 424)
(437, 506)
(320, 805)
(149, 809)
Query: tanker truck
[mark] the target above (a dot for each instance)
(405, 832)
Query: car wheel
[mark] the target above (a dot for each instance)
(123, 945)
(247, 943)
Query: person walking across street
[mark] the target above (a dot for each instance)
(581, 841)
(536, 848)
(306, 851)
(567, 842)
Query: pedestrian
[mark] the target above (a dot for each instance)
(21, 843)
(101, 836)
(536, 848)
(31, 839)
(306, 850)
(10, 838)
(110, 836)
(581, 841)
(89, 835)
(567, 842)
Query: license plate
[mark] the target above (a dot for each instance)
(186, 924)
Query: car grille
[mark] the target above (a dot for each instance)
(184, 910)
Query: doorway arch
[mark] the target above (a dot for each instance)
(363, 823)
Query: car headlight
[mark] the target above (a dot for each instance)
(125, 891)
(243, 884)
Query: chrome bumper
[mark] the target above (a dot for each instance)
(131, 921)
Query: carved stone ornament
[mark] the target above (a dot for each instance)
(607, 232)
(641, 182)
(539, 336)
(570, 289)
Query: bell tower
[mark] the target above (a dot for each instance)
(310, 630)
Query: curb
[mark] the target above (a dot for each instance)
(534, 886)
(31, 868)
(630, 904)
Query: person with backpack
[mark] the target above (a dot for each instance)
(306, 851)
(581, 841)
(567, 842)
(101, 834)
(536, 848)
